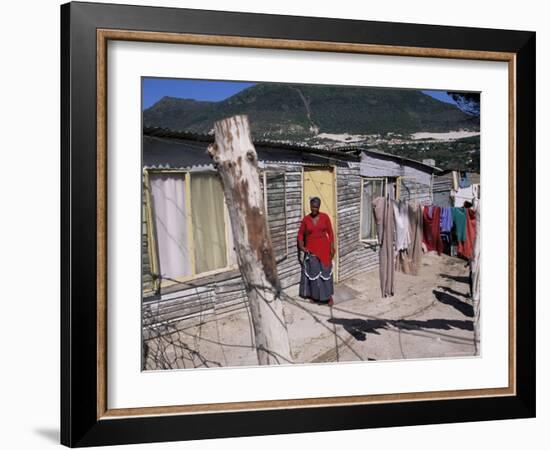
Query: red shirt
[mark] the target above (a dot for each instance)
(466, 248)
(317, 237)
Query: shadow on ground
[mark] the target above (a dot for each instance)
(458, 279)
(453, 292)
(457, 304)
(359, 328)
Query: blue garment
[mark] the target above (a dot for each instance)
(464, 181)
(446, 220)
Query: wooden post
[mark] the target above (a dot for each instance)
(237, 162)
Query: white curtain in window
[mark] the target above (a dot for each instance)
(169, 213)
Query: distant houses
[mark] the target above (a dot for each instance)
(189, 267)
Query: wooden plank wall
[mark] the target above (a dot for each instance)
(354, 256)
(289, 267)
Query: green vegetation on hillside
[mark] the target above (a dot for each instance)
(461, 154)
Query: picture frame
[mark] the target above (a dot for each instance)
(86, 418)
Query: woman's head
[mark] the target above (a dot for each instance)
(314, 205)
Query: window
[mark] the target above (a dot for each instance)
(191, 228)
(191, 224)
(370, 189)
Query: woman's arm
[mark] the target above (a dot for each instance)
(301, 235)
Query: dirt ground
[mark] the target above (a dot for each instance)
(429, 316)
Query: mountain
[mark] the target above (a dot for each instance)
(301, 112)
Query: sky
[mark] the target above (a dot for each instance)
(156, 88)
(440, 95)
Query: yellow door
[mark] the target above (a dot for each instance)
(321, 183)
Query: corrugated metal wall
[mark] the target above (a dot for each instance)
(411, 190)
(442, 191)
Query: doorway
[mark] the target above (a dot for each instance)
(321, 182)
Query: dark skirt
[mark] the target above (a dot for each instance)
(316, 280)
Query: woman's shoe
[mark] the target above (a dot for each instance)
(330, 302)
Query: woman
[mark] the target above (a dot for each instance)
(316, 240)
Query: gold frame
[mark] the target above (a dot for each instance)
(103, 36)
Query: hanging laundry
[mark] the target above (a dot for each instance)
(465, 228)
(446, 220)
(459, 221)
(465, 195)
(445, 226)
(409, 261)
(401, 217)
(385, 225)
(432, 236)
(468, 248)
(464, 181)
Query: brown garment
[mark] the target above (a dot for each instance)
(416, 224)
(385, 226)
(403, 262)
(409, 260)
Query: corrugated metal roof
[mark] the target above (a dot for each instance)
(401, 159)
(272, 151)
(209, 138)
(163, 149)
(168, 133)
(357, 149)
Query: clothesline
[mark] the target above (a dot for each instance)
(404, 226)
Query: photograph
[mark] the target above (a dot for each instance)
(287, 223)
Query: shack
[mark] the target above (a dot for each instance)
(189, 267)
